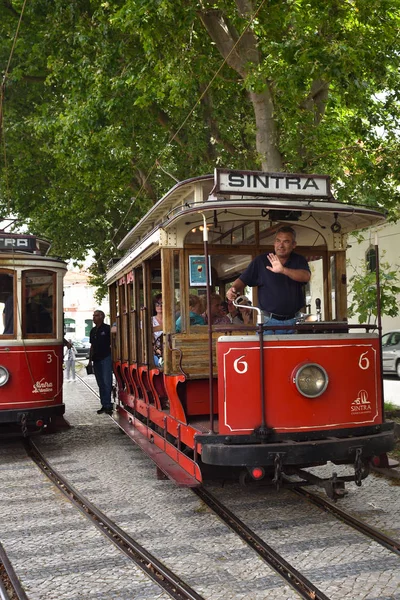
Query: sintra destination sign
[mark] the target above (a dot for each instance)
(257, 183)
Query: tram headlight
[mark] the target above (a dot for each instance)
(4, 376)
(311, 380)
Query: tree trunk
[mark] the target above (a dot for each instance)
(243, 56)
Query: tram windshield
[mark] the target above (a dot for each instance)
(7, 303)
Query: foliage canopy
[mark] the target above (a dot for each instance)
(106, 101)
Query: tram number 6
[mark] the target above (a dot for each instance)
(363, 363)
(240, 365)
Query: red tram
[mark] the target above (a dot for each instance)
(227, 400)
(31, 335)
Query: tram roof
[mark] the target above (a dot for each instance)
(203, 194)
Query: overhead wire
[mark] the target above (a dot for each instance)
(2, 94)
(199, 99)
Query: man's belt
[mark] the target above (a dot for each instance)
(271, 315)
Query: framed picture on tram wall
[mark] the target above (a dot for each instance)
(197, 270)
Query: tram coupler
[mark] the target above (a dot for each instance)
(334, 486)
(277, 480)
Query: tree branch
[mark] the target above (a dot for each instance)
(8, 6)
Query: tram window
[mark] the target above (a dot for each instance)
(177, 289)
(38, 292)
(232, 233)
(7, 303)
(314, 289)
(333, 284)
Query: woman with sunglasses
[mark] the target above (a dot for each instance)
(157, 322)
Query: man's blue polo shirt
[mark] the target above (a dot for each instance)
(101, 342)
(277, 293)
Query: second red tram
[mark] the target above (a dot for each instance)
(31, 335)
(225, 399)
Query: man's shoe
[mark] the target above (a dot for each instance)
(101, 410)
(109, 411)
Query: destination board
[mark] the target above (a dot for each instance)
(258, 183)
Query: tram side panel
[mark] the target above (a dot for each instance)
(35, 376)
(352, 398)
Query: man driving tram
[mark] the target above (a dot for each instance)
(280, 278)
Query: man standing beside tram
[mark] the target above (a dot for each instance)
(279, 277)
(101, 361)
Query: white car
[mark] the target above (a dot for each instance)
(391, 352)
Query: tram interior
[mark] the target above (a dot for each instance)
(180, 273)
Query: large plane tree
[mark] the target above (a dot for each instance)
(106, 103)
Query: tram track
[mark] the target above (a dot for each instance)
(371, 532)
(293, 577)
(303, 586)
(10, 585)
(171, 583)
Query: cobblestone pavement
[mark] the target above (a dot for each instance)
(55, 551)
(60, 555)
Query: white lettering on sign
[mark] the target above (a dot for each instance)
(240, 365)
(361, 403)
(14, 242)
(272, 184)
(42, 387)
(363, 363)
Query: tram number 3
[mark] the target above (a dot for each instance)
(240, 365)
(363, 363)
(49, 358)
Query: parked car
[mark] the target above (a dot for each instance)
(82, 349)
(391, 352)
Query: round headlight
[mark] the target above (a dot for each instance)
(4, 376)
(311, 380)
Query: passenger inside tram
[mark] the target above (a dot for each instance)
(216, 317)
(157, 323)
(245, 315)
(194, 313)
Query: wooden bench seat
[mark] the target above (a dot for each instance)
(192, 352)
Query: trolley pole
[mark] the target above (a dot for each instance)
(210, 340)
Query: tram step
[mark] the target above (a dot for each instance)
(168, 466)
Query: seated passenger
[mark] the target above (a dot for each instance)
(194, 313)
(245, 315)
(216, 317)
(157, 322)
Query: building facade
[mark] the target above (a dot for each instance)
(79, 304)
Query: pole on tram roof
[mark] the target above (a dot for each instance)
(209, 323)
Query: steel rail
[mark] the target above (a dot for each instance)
(13, 578)
(3, 592)
(87, 385)
(296, 580)
(159, 573)
(373, 533)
